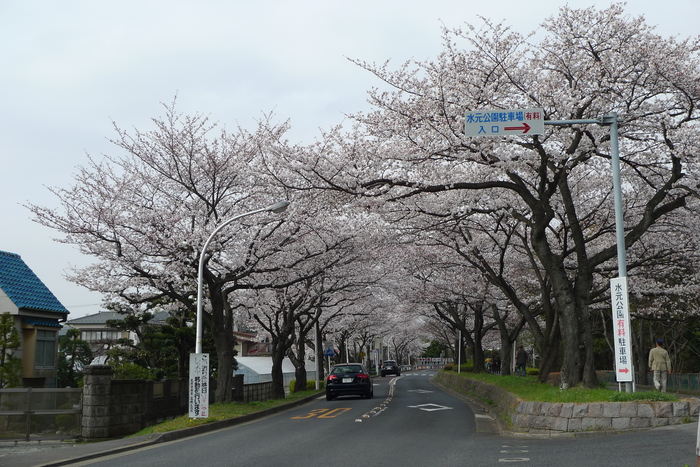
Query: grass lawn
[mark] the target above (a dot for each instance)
(529, 389)
(223, 412)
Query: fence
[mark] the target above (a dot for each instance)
(103, 408)
(40, 413)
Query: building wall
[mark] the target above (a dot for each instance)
(28, 352)
(7, 305)
(31, 375)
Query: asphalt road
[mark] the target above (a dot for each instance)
(410, 422)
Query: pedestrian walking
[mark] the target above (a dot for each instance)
(496, 364)
(660, 365)
(521, 361)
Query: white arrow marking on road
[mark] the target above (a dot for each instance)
(420, 391)
(515, 459)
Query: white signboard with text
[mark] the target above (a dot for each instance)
(499, 122)
(621, 330)
(199, 385)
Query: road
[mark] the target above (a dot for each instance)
(409, 422)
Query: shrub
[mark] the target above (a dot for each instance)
(67, 422)
(310, 385)
(532, 371)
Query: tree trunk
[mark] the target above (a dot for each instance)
(278, 353)
(298, 359)
(506, 356)
(641, 368)
(224, 343)
(300, 376)
(550, 358)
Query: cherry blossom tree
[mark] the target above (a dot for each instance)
(411, 152)
(144, 214)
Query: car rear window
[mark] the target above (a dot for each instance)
(339, 370)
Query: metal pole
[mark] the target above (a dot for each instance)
(277, 207)
(697, 445)
(199, 362)
(318, 367)
(612, 122)
(459, 351)
(617, 192)
(619, 215)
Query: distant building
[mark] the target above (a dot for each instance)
(247, 345)
(94, 330)
(38, 316)
(259, 370)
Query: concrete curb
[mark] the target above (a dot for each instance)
(488, 422)
(105, 448)
(543, 419)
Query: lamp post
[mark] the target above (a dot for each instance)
(199, 363)
(276, 208)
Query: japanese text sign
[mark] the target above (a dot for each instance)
(504, 122)
(199, 385)
(621, 330)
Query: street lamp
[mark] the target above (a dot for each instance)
(276, 208)
(199, 362)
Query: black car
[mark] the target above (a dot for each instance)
(390, 367)
(348, 379)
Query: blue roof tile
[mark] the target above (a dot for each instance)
(24, 288)
(42, 322)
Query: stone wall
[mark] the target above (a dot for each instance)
(113, 408)
(571, 417)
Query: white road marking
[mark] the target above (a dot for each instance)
(429, 407)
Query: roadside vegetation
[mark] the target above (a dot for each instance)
(223, 411)
(527, 388)
(530, 389)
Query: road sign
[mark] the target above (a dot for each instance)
(328, 349)
(499, 122)
(621, 327)
(199, 385)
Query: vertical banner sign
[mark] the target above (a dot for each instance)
(199, 385)
(621, 330)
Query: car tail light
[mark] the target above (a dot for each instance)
(332, 377)
(362, 376)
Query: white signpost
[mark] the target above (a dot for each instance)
(531, 122)
(199, 385)
(624, 369)
(500, 122)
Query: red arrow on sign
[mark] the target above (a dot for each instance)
(525, 128)
(624, 370)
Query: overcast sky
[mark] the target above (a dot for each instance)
(70, 68)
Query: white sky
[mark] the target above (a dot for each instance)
(68, 68)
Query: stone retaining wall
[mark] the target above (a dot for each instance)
(571, 417)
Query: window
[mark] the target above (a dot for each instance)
(45, 349)
(100, 336)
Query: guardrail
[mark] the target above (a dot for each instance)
(40, 413)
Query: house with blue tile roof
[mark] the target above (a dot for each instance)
(38, 316)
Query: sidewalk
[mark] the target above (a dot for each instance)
(56, 453)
